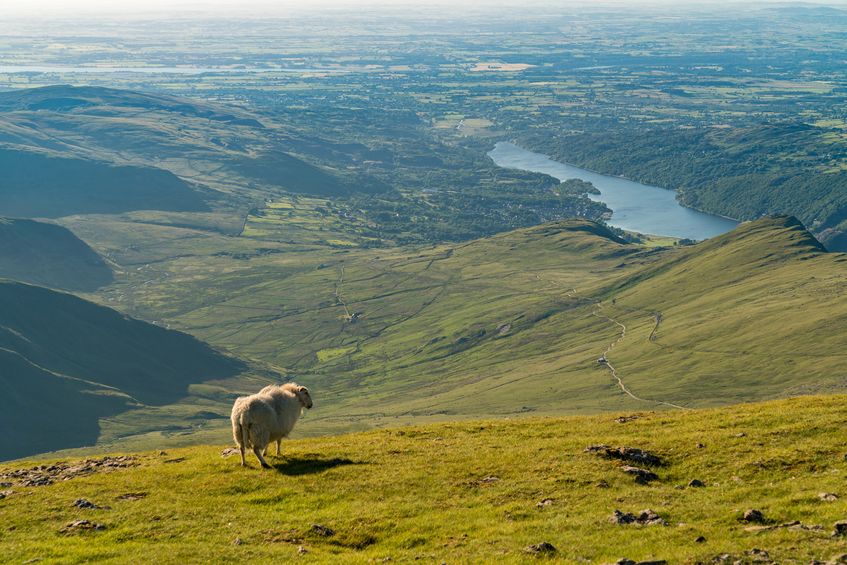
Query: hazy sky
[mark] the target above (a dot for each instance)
(281, 7)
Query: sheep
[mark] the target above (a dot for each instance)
(267, 416)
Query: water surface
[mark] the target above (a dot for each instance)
(635, 206)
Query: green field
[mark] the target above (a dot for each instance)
(466, 492)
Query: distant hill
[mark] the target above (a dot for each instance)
(49, 255)
(66, 362)
(97, 133)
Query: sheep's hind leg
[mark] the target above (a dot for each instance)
(261, 459)
(243, 461)
(278, 449)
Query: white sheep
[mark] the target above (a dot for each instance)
(267, 416)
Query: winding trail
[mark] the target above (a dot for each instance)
(338, 293)
(596, 312)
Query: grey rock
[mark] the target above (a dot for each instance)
(631, 454)
(323, 530)
(541, 548)
(642, 476)
(644, 518)
(81, 525)
(83, 503)
(753, 515)
(696, 483)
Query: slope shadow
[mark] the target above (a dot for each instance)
(294, 466)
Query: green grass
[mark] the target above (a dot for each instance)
(415, 493)
(495, 327)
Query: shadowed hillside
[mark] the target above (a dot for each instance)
(37, 185)
(49, 255)
(65, 362)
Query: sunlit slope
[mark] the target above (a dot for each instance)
(756, 313)
(463, 492)
(66, 362)
(512, 324)
(49, 255)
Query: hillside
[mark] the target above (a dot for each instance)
(171, 140)
(511, 324)
(468, 492)
(65, 363)
(49, 255)
(38, 185)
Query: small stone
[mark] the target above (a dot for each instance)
(82, 503)
(828, 496)
(302, 550)
(837, 559)
(543, 547)
(602, 484)
(753, 515)
(757, 555)
(740, 434)
(238, 541)
(488, 480)
(5, 485)
(322, 530)
(696, 483)
(545, 502)
(645, 518)
(700, 446)
(840, 528)
(80, 525)
(229, 452)
(642, 476)
(700, 539)
(624, 561)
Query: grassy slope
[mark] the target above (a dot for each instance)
(223, 148)
(431, 342)
(415, 494)
(49, 255)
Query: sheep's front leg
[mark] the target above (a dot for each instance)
(243, 461)
(278, 447)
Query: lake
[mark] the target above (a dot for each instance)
(635, 206)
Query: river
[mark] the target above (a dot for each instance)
(635, 206)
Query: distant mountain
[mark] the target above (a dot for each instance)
(49, 255)
(65, 363)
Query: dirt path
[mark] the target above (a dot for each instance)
(338, 294)
(597, 308)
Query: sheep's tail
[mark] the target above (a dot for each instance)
(244, 429)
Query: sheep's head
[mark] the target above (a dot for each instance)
(304, 396)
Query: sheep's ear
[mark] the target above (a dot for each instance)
(303, 389)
